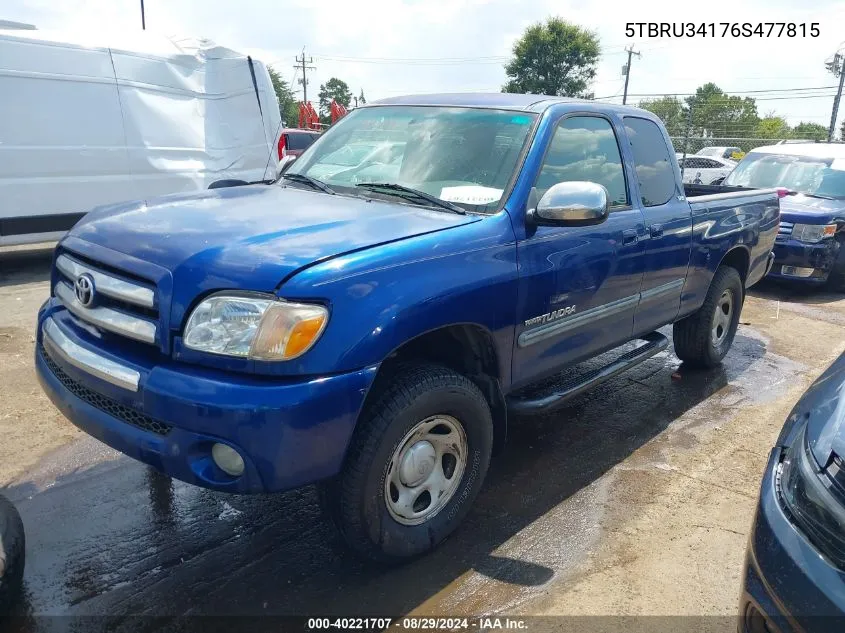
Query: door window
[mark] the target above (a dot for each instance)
(585, 148)
(652, 160)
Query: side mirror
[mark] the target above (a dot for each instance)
(284, 163)
(576, 203)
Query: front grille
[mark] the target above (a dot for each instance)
(101, 402)
(116, 302)
(785, 230)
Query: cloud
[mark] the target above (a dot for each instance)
(360, 41)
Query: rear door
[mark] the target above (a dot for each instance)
(579, 286)
(668, 220)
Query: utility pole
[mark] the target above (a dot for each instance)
(627, 70)
(301, 64)
(143, 21)
(836, 66)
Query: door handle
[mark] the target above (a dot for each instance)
(656, 230)
(629, 236)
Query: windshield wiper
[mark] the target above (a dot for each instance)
(818, 195)
(408, 192)
(311, 182)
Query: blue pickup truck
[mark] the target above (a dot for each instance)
(370, 321)
(810, 246)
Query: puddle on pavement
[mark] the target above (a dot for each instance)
(117, 538)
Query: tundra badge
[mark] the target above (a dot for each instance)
(551, 316)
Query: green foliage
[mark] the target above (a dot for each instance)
(288, 105)
(671, 111)
(336, 89)
(727, 119)
(556, 58)
(812, 131)
(716, 114)
(773, 127)
(361, 99)
(842, 131)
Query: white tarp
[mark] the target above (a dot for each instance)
(93, 119)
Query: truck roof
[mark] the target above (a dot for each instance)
(500, 101)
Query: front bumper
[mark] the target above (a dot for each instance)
(820, 257)
(289, 432)
(786, 579)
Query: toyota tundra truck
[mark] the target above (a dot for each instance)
(429, 267)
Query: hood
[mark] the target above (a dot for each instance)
(806, 209)
(824, 401)
(251, 237)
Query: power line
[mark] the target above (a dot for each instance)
(730, 93)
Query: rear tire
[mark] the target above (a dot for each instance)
(416, 462)
(703, 338)
(12, 554)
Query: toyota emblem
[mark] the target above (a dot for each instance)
(83, 287)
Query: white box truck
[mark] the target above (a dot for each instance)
(87, 120)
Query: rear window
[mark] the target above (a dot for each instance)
(299, 140)
(652, 160)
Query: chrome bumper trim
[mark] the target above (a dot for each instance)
(106, 318)
(107, 284)
(57, 344)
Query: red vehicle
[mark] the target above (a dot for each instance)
(292, 141)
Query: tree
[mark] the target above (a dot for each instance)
(774, 127)
(811, 131)
(361, 99)
(671, 111)
(288, 105)
(556, 58)
(841, 132)
(718, 115)
(336, 89)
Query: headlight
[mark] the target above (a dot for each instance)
(807, 494)
(813, 232)
(254, 327)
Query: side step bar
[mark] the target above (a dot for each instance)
(548, 400)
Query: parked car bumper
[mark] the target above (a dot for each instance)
(786, 582)
(289, 433)
(810, 263)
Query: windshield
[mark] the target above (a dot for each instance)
(806, 174)
(467, 156)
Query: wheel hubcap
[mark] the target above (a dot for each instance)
(722, 318)
(425, 470)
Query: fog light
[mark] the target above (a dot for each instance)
(797, 271)
(228, 460)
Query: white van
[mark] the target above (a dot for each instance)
(90, 120)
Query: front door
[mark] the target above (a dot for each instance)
(579, 286)
(668, 220)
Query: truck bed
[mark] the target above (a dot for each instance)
(700, 196)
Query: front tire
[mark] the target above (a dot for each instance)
(703, 338)
(415, 465)
(12, 554)
(836, 278)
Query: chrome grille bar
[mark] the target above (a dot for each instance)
(57, 344)
(107, 284)
(106, 318)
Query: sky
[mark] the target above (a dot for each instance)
(393, 47)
